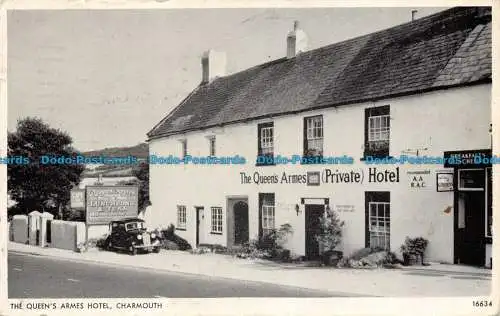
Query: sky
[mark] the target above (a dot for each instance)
(108, 76)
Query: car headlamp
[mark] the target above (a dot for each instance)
(139, 237)
(153, 235)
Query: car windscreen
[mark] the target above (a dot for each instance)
(134, 225)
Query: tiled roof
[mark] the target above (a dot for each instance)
(449, 48)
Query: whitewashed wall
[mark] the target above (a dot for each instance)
(453, 119)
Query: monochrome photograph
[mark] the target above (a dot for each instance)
(338, 152)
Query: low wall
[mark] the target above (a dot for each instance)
(19, 229)
(67, 235)
(97, 231)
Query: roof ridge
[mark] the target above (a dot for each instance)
(396, 61)
(308, 52)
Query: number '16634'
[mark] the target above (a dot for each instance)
(482, 303)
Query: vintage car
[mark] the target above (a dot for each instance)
(131, 235)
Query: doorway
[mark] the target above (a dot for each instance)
(470, 242)
(313, 214)
(241, 234)
(199, 224)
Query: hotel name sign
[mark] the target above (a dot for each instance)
(107, 203)
(327, 176)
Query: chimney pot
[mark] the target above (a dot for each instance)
(296, 41)
(213, 65)
(413, 14)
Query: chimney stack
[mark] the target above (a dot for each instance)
(413, 14)
(213, 65)
(296, 41)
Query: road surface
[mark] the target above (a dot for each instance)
(32, 276)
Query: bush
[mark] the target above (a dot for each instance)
(169, 234)
(369, 258)
(275, 239)
(169, 245)
(330, 234)
(101, 243)
(215, 248)
(268, 246)
(358, 254)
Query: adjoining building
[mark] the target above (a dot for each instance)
(420, 90)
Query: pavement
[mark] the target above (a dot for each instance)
(437, 280)
(32, 276)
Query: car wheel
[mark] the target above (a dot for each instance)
(109, 246)
(133, 250)
(156, 250)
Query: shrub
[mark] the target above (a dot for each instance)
(369, 258)
(215, 248)
(169, 245)
(361, 253)
(169, 234)
(330, 234)
(276, 238)
(101, 243)
(269, 245)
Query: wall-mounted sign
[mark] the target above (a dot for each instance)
(313, 178)
(77, 199)
(467, 158)
(418, 179)
(344, 208)
(444, 181)
(109, 203)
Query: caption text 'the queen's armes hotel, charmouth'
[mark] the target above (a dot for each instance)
(418, 89)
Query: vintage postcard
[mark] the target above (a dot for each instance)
(281, 157)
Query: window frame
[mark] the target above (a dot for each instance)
(268, 218)
(380, 130)
(140, 225)
(267, 201)
(212, 147)
(464, 189)
(311, 132)
(216, 220)
(377, 114)
(377, 198)
(262, 127)
(181, 217)
(385, 219)
(184, 150)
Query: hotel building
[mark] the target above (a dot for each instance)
(417, 90)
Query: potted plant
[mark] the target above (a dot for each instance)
(329, 237)
(413, 250)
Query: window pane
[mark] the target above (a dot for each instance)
(472, 179)
(380, 210)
